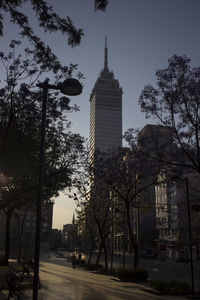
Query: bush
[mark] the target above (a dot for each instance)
(133, 275)
(2, 260)
(3, 271)
(108, 272)
(171, 287)
(15, 284)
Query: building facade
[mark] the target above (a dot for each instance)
(105, 111)
(105, 124)
(156, 144)
(172, 200)
(70, 236)
(22, 231)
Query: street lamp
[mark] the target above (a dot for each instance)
(185, 179)
(70, 87)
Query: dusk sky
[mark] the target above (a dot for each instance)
(142, 35)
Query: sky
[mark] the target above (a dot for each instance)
(141, 36)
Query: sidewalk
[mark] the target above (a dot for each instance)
(158, 269)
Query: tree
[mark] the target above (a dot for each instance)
(20, 110)
(50, 22)
(87, 229)
(101, 4)
(20, 217)
(100, 204)
(175, 103)
(126, 177)
(20, 120)
(94, 203)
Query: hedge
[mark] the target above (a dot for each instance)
(133, 275)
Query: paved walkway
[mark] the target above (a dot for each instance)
(162, 269)
(60, 282)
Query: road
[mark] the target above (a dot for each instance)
(59, 281)
(64, 282)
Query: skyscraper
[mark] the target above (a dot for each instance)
(105, 111)
(105, 135)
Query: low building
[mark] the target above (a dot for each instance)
(172, 217)
(56, 239)
(22, 231)
(156, 144)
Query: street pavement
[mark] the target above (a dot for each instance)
(63, 282)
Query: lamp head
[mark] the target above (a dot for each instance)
(70, 87)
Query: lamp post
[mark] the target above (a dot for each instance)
(124, 243)
(189, 231)
(71, 87)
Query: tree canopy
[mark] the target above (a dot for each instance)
(175, 103)
(20, 122)
(50, 22)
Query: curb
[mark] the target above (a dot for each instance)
(151, 291)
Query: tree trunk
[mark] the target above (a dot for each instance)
(7, 237)
(112, 256)
(112, 248)
(99, 253)
(91, 253)
(104, 246)
(133, 244)
(90, 256)
(19, 249)
(136, 256)
(105, 254)
(20, 232)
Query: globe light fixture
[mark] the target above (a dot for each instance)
(70, 87)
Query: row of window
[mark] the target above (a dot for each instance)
(168, 232)
(170, 208)
(167, 220)
(163, 197)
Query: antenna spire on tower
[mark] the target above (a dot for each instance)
(73, 219)
(106, 55)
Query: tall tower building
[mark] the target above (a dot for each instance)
(105, 111)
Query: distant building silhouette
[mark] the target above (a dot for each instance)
(70, 235)
(56, 239)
